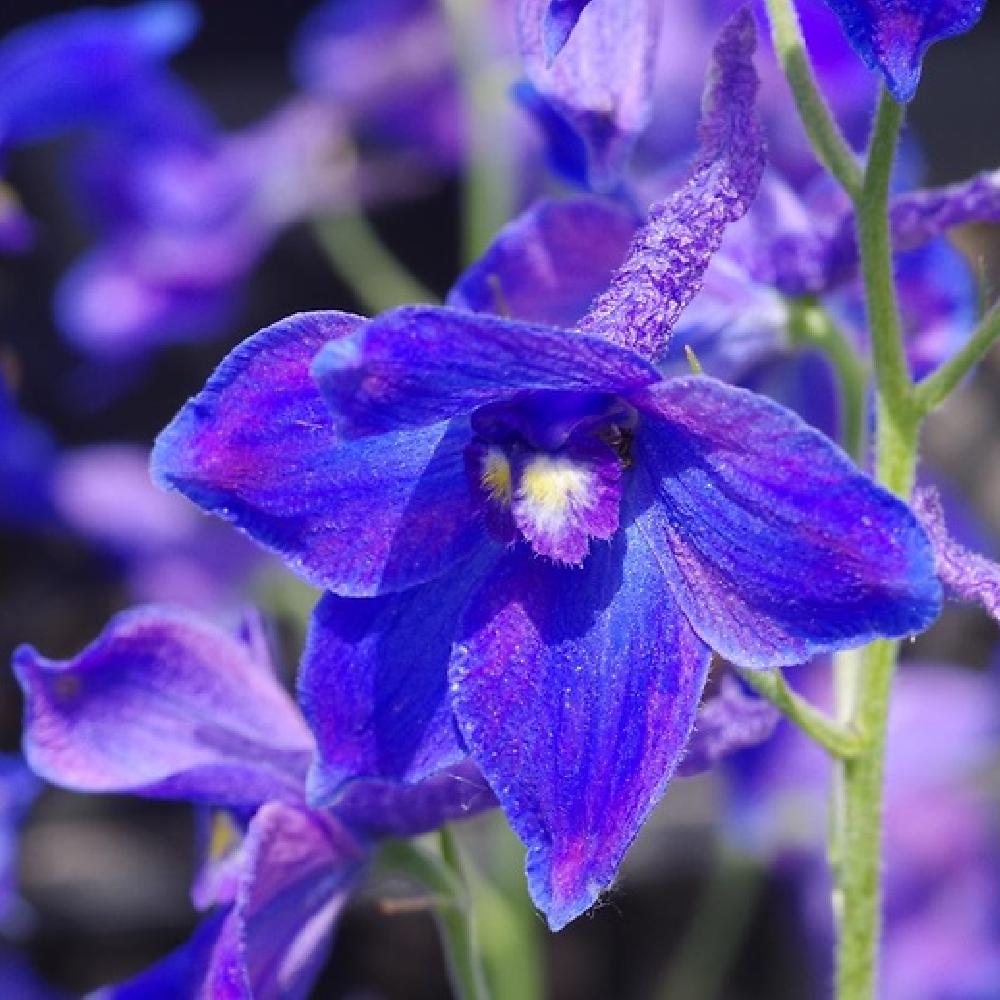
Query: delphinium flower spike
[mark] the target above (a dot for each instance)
(533, 540)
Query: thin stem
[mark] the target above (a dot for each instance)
(839, 740)
(366, 265)
(875, 247)
(857, 831)
(937, 387)
(821, 127)
(443, 878)
(487, 192)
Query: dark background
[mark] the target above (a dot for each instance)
(108, 878)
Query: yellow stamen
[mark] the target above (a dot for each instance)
(496, 478)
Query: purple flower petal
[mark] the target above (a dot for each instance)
(549, 264)
(891, 36)
(219, 843)
(667, 261)
(258, 448)
(575, 691)
(374, 713)
(300, 869)
(731, 719)
(777, 547)
(601, 81)
(419, 365)
(388, 809)
(164, 705)
(968, 575)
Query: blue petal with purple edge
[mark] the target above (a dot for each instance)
(373, 682)
(389, 809)
(87, 66)
(601, 82)
(775, 545)
(258, 448)
(891, 36)
(666, 264)
(575, 691)
(163, 705)
(182, 973)
(415, 366)
(548, 264)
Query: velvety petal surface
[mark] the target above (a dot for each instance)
(419, 365)
(163, 704)
(575, 691)
(601, 81)
(258, 448)
(373, 683)
(776, 546)
(548, 264)
(891, 36)
(666, 264)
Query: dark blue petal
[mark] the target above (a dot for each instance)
(776, 545)
(601, 82)
(666, 264)
(559, 21)
(550, 263)
(373, 683)
(891, 36)
(389, 809)
(27, 459)
(258, 448)
(162, 704)
(575, 691)
(420, 364)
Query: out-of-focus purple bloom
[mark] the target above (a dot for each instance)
(601, 81)
(389, 67)
(185, 225)
(968, 575)
(729, 720)
(891, 36)
(18, 790)
(169, 555)
(942, 933)
(27, 454)
(434, 456)
(165, 705)
(89, 67)
(17, 232)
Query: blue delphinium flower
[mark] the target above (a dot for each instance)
(533, 541)
(164, 705)
(891, 36)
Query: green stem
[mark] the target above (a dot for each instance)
(487, 191)
(366, 265)
(820, 125)
(857, 838)
(444, 879)
(839, 740)
(936, 388)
